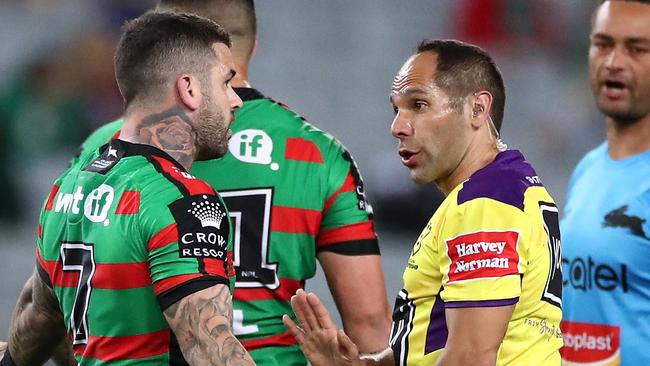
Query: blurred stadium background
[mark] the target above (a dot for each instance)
(332, 61)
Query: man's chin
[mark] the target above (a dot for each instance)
(211, 154)
(621, 115)
(418, 178)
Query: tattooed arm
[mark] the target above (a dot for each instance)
(37, 327)
(202, 323)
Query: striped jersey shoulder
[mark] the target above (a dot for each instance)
(505, 180)
(303, 140)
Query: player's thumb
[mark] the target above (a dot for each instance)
(347, 348)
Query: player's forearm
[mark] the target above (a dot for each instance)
(366, 314)
(37, 326)
(202, 323)
(369, 331)
(467, 356)
(63, 355)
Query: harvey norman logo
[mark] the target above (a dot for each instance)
(483, 254)
(95, 205)
(465, 250)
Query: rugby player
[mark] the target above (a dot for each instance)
(606, 228)
(296, 196)
(134, 254)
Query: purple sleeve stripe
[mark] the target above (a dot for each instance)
(481, 303)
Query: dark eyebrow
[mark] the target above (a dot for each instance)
(231, 75)
(637, 40)
(629, 40)
(603, 37)
(411, 91)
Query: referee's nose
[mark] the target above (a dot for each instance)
(401, 126)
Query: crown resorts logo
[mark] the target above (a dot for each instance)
(252, 146)
(208, 213)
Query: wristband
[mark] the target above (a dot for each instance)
(373, 356)
(7, 360)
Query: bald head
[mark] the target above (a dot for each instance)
(237, 17)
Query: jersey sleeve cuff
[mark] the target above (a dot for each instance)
(174, 294)
(481, 303)
(352, 247)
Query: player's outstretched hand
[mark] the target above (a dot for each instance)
(321, 342)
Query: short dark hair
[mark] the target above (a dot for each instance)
(635, 1)
(237, 17)
(158, 46)
(593, 15)
(463, 69)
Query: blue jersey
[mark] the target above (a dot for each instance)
(606, 244)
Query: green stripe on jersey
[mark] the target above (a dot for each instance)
(145, 361)
(266, 319)
(298, 260)
(136, 309)
(279, 356)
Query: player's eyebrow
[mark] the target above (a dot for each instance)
(409, 92)
(231, 75)
(601, 36)
(637, 41)
(627, 40)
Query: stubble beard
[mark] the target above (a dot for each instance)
(623, 117)
(212, 133)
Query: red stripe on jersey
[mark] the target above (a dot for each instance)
(191, 183)
(347, 186)
(284, 292)
(122, 275)
(302, 150)
(114, 276)
(170, 282)
(231, 266)
(55, 270)
(215, 267)
(358, 231)
(46, 265)
(166, 236)
(125, 347)
(284, 339)
(40, 230)
(116, 134)
(50, 198)
(129, 203)
(295, 220)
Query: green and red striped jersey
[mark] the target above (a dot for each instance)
(292, 190)
(125, 233)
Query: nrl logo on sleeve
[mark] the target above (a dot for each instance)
(202, 227)
(483, 254)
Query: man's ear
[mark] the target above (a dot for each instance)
(188, 90)
(481, 105)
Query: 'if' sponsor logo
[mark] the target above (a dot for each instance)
(252, 146)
